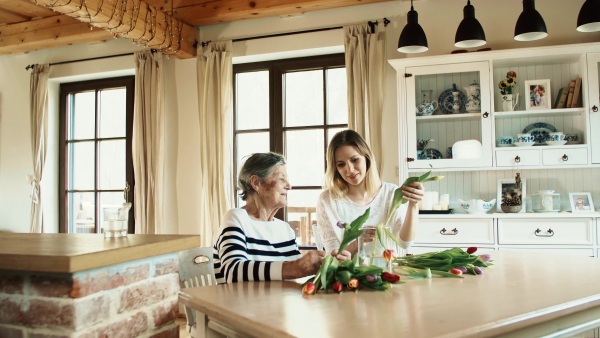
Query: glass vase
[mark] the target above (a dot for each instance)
(370, 250)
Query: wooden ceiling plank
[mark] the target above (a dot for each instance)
(203, 12)
(26, 8)
(49, 37)
(135, 20)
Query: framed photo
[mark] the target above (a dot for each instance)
(537, 94)
(581, 202)
(510, 194)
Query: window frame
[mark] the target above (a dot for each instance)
(97, 85)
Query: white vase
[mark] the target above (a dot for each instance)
(509, 101)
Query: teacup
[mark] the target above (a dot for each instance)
(525, 137)
(506, 140)
(557, 136)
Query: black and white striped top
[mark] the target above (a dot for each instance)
(251, 250)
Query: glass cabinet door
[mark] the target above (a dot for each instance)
(448, 116)
(594, 103)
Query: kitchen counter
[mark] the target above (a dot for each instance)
(83, 285)
(78, 252)
(522, 295)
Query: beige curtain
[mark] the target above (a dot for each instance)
(147, 144)
(365, 67)
(215, 108)
(38, 104)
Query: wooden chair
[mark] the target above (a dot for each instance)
(195, 269)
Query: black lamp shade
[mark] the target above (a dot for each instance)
(469, 33)
(589, 17)
(530, 25)
(412, 39)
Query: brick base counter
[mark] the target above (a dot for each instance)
(118, 298)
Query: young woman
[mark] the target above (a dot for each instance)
(352, 185)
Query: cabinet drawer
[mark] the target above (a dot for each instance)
(524, 157)
(583, 252)
(455, 231)
(562, 231)
(565, 156)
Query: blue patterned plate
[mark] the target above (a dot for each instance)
(446, 99)
(540, 131)
(432, 154)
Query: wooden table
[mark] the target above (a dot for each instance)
(523, 294)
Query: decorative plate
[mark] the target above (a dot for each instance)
(446, 98)
(556, 143)
(432, 154)
(523, 144)
(540, 131)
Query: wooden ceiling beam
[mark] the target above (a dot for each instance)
(132, 19)
(58, 30)
(206, 12)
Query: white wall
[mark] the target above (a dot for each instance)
(439, 19)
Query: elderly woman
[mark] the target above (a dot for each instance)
(252, 244)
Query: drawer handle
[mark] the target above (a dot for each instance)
(517, 159)
(565, 157)
(594, 108)
(454, 232)
(549, 233)
(485, 115)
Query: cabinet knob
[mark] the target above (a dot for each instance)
(410, 159)
(565, 158)
(454, 232)
(549, 233)
(517, 159)
(594, 108)
(485, 115)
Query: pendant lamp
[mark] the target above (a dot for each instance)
(412, 39)
(469, 33)
(530, 25)
(589, 17)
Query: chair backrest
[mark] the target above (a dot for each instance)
(317, 237)
(195, 269)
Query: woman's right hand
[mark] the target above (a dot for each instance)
(304, 266)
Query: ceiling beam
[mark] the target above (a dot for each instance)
(132, 19)
(48, 32)
(206, 12)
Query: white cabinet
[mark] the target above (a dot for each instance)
(545, 231)
(558, 64)
(594, 103)
(456, 231)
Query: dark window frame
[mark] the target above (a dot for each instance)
(73, 87)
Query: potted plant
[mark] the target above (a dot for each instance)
(511, 201)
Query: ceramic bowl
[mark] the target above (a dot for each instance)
(476, 206)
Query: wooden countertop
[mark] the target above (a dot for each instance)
(523, 291)
(77, 252)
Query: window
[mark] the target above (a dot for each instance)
(292, 107)
(96, 120)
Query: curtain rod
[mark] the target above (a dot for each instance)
(372, 25)
(81, 60)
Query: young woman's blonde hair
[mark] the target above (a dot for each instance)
(333, 181)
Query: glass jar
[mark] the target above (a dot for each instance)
(545, 201)
(370, 250)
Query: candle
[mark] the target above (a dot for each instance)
(437, 207)
(444, 201)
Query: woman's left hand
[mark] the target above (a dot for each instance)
(413, 192)
(342, 256)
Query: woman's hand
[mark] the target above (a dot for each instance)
(304, 266)
(413, 192)
(344, 255)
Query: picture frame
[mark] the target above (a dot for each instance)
(507, 187)
(537, 94)
(581, 202)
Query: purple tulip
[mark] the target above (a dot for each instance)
(371, 278)
(341, 224)
(485, 257)
(462, 268)
(478, 270)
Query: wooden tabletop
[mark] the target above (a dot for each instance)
(77, 252)
(520, 291)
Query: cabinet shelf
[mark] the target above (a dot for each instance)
(449, 117)
(538, 113)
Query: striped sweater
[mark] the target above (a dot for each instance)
(251, 250)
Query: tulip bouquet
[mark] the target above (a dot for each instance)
(348, 274)
(448, 263)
